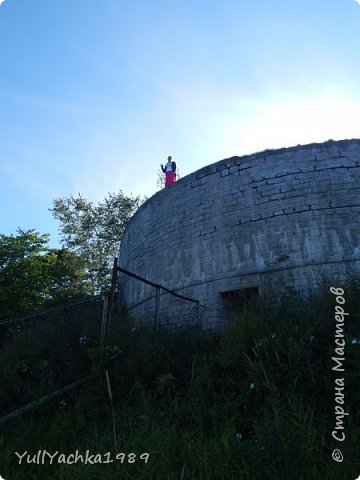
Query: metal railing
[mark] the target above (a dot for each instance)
(194, 316)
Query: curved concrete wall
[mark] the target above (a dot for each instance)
(279, 217)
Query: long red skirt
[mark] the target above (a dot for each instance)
(170, 178)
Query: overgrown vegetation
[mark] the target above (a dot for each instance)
(47, 351)
(253, 401)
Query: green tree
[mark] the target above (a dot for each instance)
(33, 276)
(67, 276)
(94, 232)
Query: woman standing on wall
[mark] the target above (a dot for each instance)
(170, 172)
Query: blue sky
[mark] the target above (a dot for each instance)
(94, 95)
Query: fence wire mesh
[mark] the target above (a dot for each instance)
(45, 352)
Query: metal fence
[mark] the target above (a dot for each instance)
(161, 305)
(46, 353)
(49, 352)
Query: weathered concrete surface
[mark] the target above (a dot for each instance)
(275, 218)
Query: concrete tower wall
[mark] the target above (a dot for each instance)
(272, 219)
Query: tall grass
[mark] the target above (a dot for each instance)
(253, 401)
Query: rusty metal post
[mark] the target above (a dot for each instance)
(103, 321)
(157, 307)
(111, 296)
(197, 313)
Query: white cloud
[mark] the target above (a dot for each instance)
(2, 1)
(357, 1)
